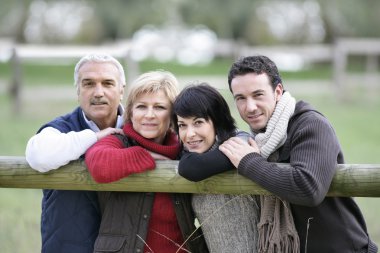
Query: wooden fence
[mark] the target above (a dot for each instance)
(357, 180)
(283, 55)
(346, 47)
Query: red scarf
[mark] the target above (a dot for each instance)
(170, 148)
(164, 234)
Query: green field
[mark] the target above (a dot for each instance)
(356, 122)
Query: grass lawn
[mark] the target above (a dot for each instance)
(356, 123)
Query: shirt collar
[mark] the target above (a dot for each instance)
(119, 121)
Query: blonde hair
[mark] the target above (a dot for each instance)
(151, 82)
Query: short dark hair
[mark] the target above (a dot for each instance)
(258, 64)
(204, 101)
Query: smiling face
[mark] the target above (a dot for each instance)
(196, 134)
(255, 98)
(151, 115)
(100, 92)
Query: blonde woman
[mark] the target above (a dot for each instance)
(143, 222)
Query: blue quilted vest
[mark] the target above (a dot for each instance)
(70, 219)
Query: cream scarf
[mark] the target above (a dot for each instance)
(277, 231)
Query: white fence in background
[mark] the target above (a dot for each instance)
(291, 58)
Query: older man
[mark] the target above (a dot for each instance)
(301, 218)
(70, 219)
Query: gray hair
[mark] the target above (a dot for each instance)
(100, 58)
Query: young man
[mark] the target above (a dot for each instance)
(286, 131)
(70, 219)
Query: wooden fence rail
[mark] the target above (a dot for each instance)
(357, 180)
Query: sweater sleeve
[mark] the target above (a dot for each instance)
(108, 160)
(196, 167)
(51, 149)
(314, 149)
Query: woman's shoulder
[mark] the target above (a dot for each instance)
(243, 134)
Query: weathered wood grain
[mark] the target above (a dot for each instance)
(358, 180)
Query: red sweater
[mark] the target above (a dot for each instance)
(109, 160)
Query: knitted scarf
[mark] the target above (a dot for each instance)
(163, 222)
(277, 232)
(170, 148)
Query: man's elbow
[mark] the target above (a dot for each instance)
(312, 199)
(40, 163)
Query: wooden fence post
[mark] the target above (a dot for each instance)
(16, 82)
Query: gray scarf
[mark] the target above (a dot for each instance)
(277, 232)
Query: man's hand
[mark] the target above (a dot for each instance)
(235, 149)
(110, 130)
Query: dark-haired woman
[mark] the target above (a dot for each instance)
(203, 121)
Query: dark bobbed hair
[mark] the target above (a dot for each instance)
(204, 101)
(258, 64)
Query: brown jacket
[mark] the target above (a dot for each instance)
(125, 222)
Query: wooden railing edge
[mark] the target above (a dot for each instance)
(355, 180)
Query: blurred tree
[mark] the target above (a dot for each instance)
(350, 18)
(228, 19)
(251, 21)
(122, 18)
(13, 18)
